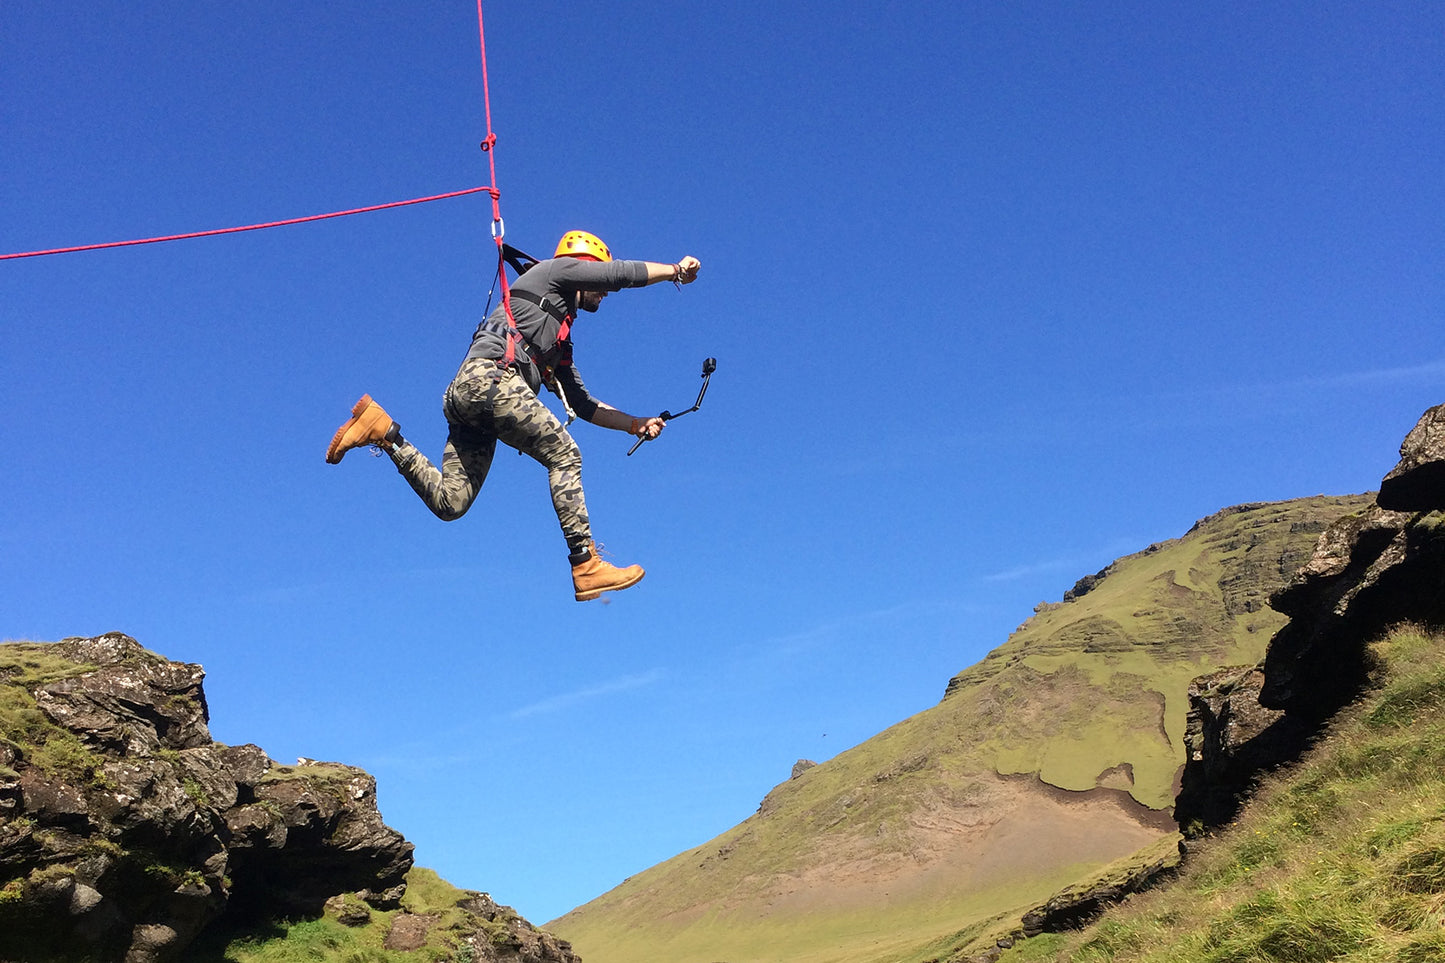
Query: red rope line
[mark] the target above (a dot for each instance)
(491, 140)
(248, 227)
(499, 228)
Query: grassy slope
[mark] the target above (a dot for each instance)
(1339, 858)
(908, 837)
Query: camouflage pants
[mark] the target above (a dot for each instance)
(483, 403)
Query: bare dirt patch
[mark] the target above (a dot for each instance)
(1017, 829)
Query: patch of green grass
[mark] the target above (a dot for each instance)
(1393, 833)
(63, 755)
(1421, 872)
(329, 777)
(36, 663)
(320, 940)
(195, 792)
(40, 743)
(1430, 949)
(174, 875)
(325, 940)
(1403, 706)
(1039, 948)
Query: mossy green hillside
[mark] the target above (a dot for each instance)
(1341, 857)
(1102, 681)
(1087, 694)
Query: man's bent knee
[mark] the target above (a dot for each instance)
(561, 455)
(449, 511)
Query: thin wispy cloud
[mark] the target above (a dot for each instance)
(310, 590)
(826, 632)
(567, 700)
(1430, 370)
(1080, 563)
(1035, 568)
(1234, 403)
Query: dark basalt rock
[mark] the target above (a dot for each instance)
(1369, 571)
(1417, 483)
(1076, 906)
(1230, 739)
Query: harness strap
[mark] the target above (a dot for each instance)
(561, 315)
(514, 336)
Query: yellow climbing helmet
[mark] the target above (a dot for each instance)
(582, 244)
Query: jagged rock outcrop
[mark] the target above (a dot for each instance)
(1416, 484)
(125, 830)
(1086, 584)
(1370, 570)
(1074, 906)
(505, 937)
(472, 926)
(1230, 738)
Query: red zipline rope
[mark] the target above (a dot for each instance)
(498, 228)
(248, 227)
(491, 140)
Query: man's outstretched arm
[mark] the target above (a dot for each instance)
(683, 272)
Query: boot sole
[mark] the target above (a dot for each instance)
(333, 455)
(595, 593)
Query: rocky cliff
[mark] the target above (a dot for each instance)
(1377, 566)
(125, 830)
(1371, 569)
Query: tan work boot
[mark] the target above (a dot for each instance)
(592, 576)
(369, 425)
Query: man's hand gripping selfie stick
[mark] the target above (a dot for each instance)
(708, 367)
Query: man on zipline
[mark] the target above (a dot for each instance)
(494, 395)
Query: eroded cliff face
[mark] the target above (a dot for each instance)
(125, 830)
(1372, 569)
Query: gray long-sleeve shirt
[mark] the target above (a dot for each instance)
(557, 282)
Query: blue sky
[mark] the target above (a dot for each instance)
(998, 292)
